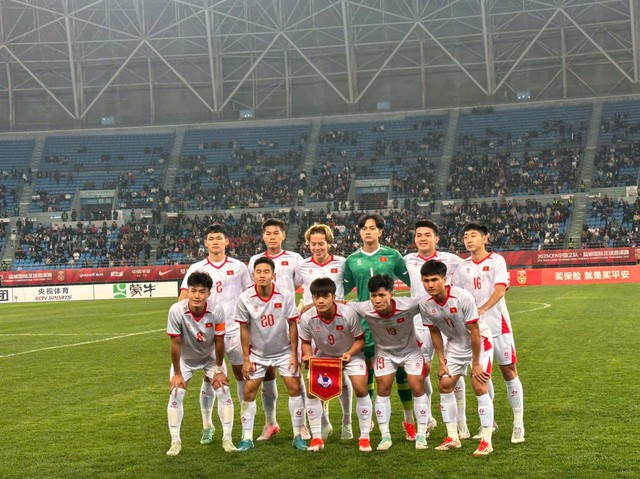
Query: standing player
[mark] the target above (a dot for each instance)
(451, 311)
(390, 321)
(230, 277)
(273, 235)
(337, 332)
(196, 326)
(371, 259)
(426, 239)
(269, 336)
(321, 264)
(486, 277)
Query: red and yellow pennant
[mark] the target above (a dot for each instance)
(325, 378)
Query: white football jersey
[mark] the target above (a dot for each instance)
(285, 262)
(196, 333)
(414, 262)
(230, 278)
(309, 270)
(268, 321)
(332, 338)
(480, 279)
(451, 318)
(394, 335)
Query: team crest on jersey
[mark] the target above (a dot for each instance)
(453, 310)
(359, 262)
(285, 263)
(317, 328)
(334, 270)
(278, 305)
(485, 268)
(208, 325)
(433, 311)
(230, 272)
(383, 259)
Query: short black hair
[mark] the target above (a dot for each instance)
(427, 224)
(379, 220)
(432, 267)
(216, 228)
(476, 227)
(264, 260)
(322, 287)
(274, 222)
(378, 281)
(199, 278)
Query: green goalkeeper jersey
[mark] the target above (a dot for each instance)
(360, 266)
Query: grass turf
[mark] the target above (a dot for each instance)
(98, 409)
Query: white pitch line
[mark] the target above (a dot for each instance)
(544, 306)
(58, 334)
(80, 344)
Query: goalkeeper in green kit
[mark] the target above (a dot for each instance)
(371, 259)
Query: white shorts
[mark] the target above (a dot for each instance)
(356, 367)
(233, 348)
(504, 347)
(261, 365)
(387, 364)
(459, 363)
(188, 369)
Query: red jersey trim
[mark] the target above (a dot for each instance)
(360, 337)
(240, 321)
(483, 259)
(335, 315)
(313, 260)
(449, 295)
(471, 321)
(174, 335)
(197, 319)
(503, 284)
(435, 253)
(257, 295)
(430, 326)
(306, 341)
(394, 310)
(226, 260)
(293, 318)
(266, 254)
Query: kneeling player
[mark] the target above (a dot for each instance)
(391, 323)
(337, 332)
(269, 337)
(452, 312)
(196, 326)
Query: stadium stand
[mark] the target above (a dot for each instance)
(618, 158)
(15, 156)
(518, 152)
(611, 223)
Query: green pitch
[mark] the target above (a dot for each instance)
(84, 394)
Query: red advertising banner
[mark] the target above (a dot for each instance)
(325, 378)
(93, 275)
(560, 276)
(572, 257)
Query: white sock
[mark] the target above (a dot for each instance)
(383, 414)
(490, 387)
(422, 413)
(296, 409)
(363, 410)
(247, 416)
(207, 399)
(485, 411)
(240, 390)
(516, 399)
(346, 400)
(225, 410)
(314, 413)
(428, 389)
(449, 407)
(269, 399)
(175, 411)
(459, 391)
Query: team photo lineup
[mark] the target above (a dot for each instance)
(326, 347)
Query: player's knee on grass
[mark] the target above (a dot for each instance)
(416, 384)
(384, 384)
(509, 371)
(359, 385)
(251, 389)
(293, 385)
